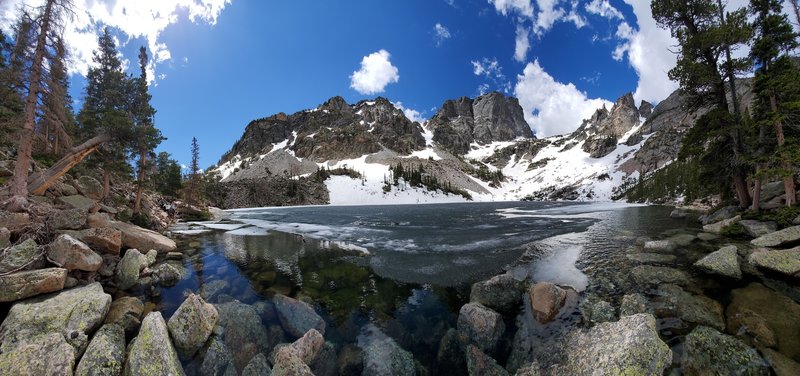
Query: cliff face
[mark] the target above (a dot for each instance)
(481, 146)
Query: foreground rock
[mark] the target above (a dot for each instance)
(383, 356)
(70, 219)
(779, 312)
(45, 355)
(646, 275)
(758, 228)
(258, 366)
(480, 326)
(479, 363)
(784, 261)
(23, 256)
(103, 239)
(105, 354)
(502, 292)
(73, 254)
(126, 312)
(140, 238)
(128, 269)
(52, 321)
(787, 236)
(297, 317)
(243, 331)
(709, 352)
(724, 262)
(151, 352)
(191, 325)
(546, 300)
(630, 346)
(14, 222)
(296, 358)
(30, 283)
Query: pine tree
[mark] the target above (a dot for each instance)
(796, 9)
(777, 89)
(194, 172)
(705, 34)
(57, 122)
(167, 176)
(147, 135)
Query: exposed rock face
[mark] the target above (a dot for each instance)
(502, 292)
(724, 262)
(490, 117)
(29, 283)
(645, 109)
(605, 128)
(480, 326)
(105, 354)
(72, 254)
(151, 352)
(140, 238)
(191, 325)
(297, 317)
(708, 351)
(546, 300)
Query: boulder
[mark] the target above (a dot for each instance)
(646, 275)
(191, 325)
(719, 215)
(699, 309)
(151, 352)
(128, 269)
(169, 274)
(603, 311)
(258, 366)
(630, 346)
(480, 364)
(781, 364)
(98, 220)
(546, 300)
(70, 219)
(480, 326)
(77, 202)
(787, 236)
(758, 228)
(103, 239)
(651, 258)
(784, 261)
(716, 228)
(209, 291)
(660, 245)
(682, 240)
(5, 238)
(751, 328)
(633, 304)
(382, 355)
(217, 358)
(89, 187)
(48, 354)
(779, 312)
(450, 354)
(136, 237)
(502, 292)
(724, 262)
(29, 283)
(707, 236)
(296, 358)
(151, 257)
(14, 222)
(126, 312)
(244, 332)
(297, 317)
(72, 254)
(105, 354)
(71, 314)
(23, 256)
(709, 352)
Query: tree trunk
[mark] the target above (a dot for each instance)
(106, 183)
(19, 182)
(742, 193)
(788, 181)
(137, 205)
(39, 182)
(757, 194)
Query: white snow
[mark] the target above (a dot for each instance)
(347, 191)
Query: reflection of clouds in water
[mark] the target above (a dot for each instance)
(281, 250)
(559, 268)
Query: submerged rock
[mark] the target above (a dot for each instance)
(546, 300)
(660, 245)
(646, 275)
(784, 261)
(297, 317)
(502, 292)
(709, 352)
(633, 304)
(480, 364)
(689, 307)
(751, 328)
(787, 236)
(779, 312)
(480, 326)
(603, 311)
(383, 356)
(630, 346)
(781, 364)
(244, 332)
(151, 352)
(217, 358)
(73, 254)
(126, 312)
(724, 262)
(191, 325)
(651, 258)
(30, 283)
(105, 355)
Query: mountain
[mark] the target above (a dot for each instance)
(480, 149)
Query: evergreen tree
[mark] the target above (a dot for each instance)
(167, 176)
(194, 172)
(148, 137)
(777, 90)
(57, 122)
(705, 34)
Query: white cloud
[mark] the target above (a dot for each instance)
(604, 9)
(410, 113)
(547, 16)
(376, 72)
(542, 13)
(575, 17)
(133, 18)
(492, 72)
(506, 7)
(552, 107)
(522, 43)
(441, 33)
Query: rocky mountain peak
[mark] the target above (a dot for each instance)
(335, 104)
(645, 109)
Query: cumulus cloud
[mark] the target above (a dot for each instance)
(552, 107)
(441, 33)
(604, 9)
(506, 7)
(522, 44)
(376, 72)
(132, 18)
(492, 72)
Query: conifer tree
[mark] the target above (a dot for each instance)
(147, 135)
(57, 122)
(167, 177)
(194, 172)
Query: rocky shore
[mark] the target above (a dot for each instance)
(81, 304)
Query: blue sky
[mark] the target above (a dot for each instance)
(221, 63)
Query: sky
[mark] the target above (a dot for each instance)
(218, 64)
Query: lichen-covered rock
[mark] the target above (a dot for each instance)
(151, 352)
(89, 187)
(784, 261)
(72, 314)
(14, 222)
(660, 246)
(23, 256)
(646, 275)
(546, 300)
(244, 332)
(787, 236)
(709, 352)
(5, 237)
(136, 237)
(630, 346)
(30, 283)
(296, 358)
(169, 274)
(716, 228)
(724, 262)
(633, 304)
(128, 269)
(209, 291)
(105, 355)
(480, 364)
(103, 239)
(217, 358)
(758, 228)
(126, 312)
(297, 317)
(258, 366)
(502, 292)
(69, 219)
(72, 254)
(191, 325)
(689, 307)
(382, 355)
(480, 326)
(77, 202)
(603, 311)
(48, 354)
